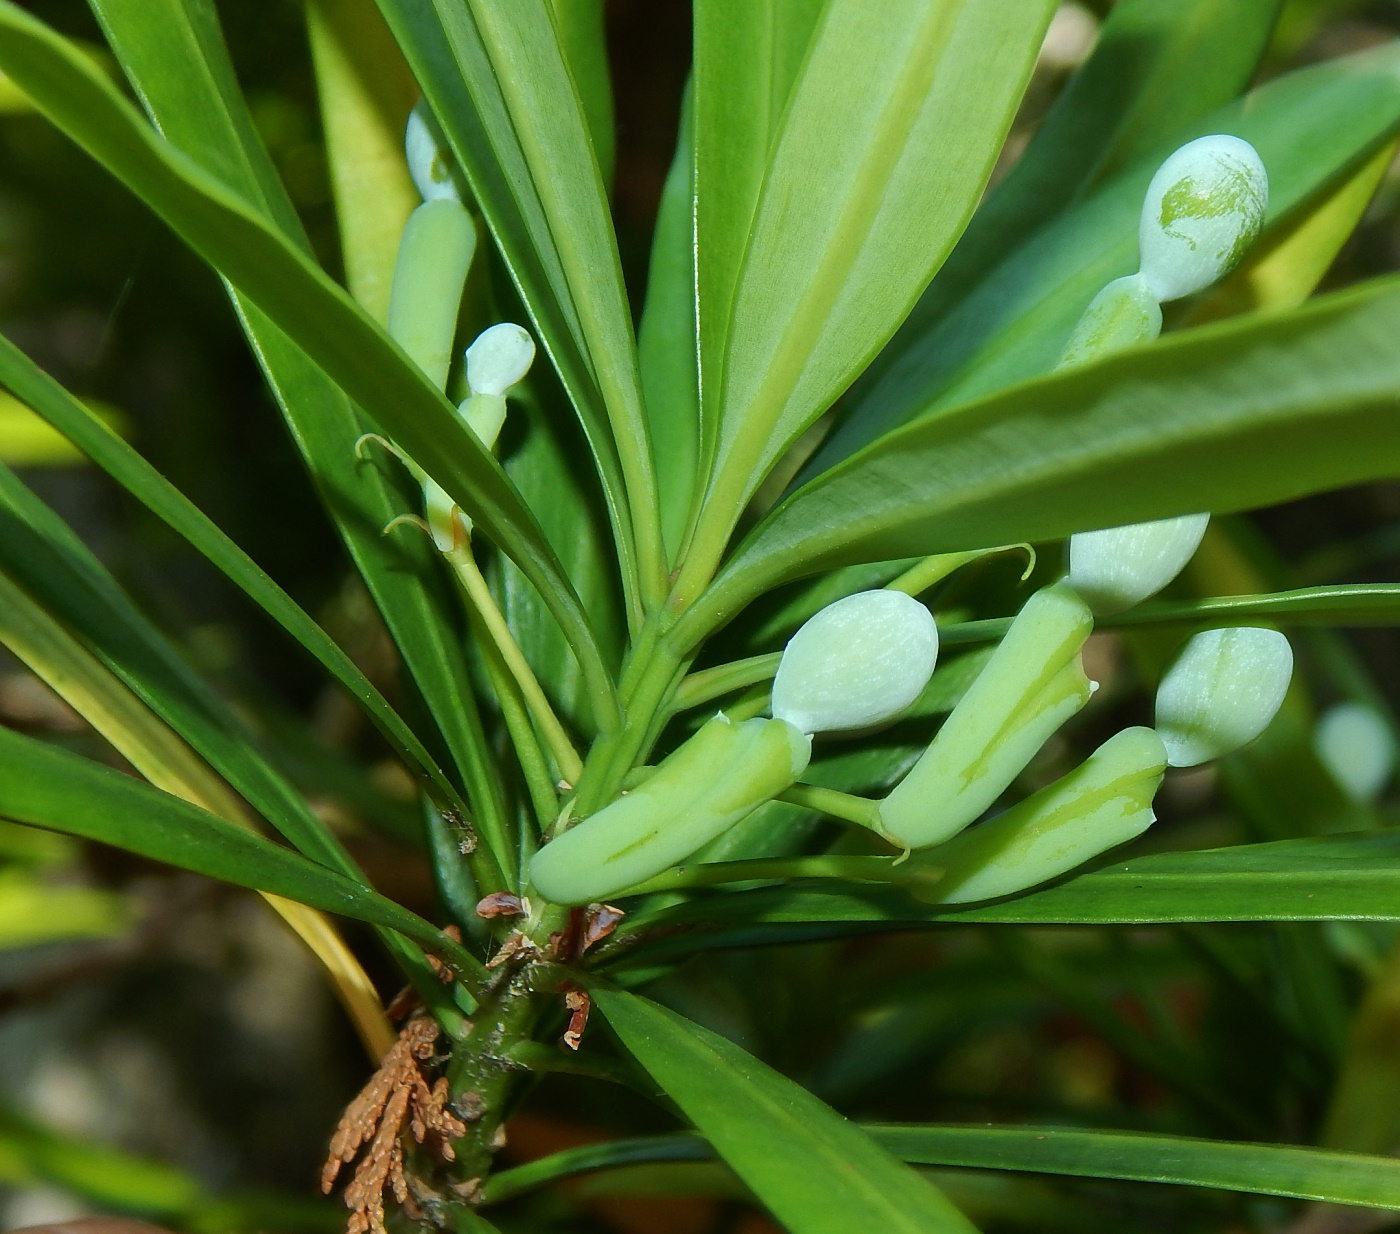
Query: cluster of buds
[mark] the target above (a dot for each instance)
(430, 272)
(864, 660)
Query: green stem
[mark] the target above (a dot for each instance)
(713, 683)
(851, 809)
(770, 869)
(494, 626)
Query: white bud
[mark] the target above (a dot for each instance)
(1357, 747)
(428, 163)
(858, 662)
(1221, 692)
(1118, 567)
(1203, 208)
(499, 358)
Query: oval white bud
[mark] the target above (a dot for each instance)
(428, 163)
(858, 662)
(1118, 567)
(1221, 692)
(1203, 208)
(1357, 747)
(499, 358)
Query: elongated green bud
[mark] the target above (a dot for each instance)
(429, 164)
(1032, 684)
(1204, 207)
(1103, 803)
(1355, 744)
(1122, 315)
(1221, 692)
(717, 777)
(435, 253)
(858, 662)
(1119, 567)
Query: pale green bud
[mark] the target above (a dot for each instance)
(429, 164)
(1103, 803)
(1221, 692)
(1356, 745)
(446, 523)
(724, 772)
(1032, 684)
(435, 255)
(1122, 315)
(500, 357)
(1119, 567)
(858, 662)
(1203, 209)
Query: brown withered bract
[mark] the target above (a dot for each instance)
(397, 1092)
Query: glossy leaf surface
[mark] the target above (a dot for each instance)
(818, 1173)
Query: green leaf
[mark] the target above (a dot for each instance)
(1268, 1169)
(162, 498)
(48, 787)
(580, 27)
(300, 299)
(747, 57)
(1309, 126)
(891, 132)
(1263, 1169)
(1332, 878)
(547, 468)
(495, 75)
(366, 93)
(666, 342)
(48, 561)
(1241, 414)
(818, 1173)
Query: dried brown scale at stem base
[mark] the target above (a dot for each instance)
(501, 904)
(397, 1091)
(579, 1005)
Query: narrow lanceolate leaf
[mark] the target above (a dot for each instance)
(1263, 1169)
(890, 134)
(666, 341)
(45, 786)
(818, 1173)
(148, 486)
(1158, 65)
(1268, 1169)
(495, 75)
(1334, 878)
(298, 297)
(748, 54)
(1252, 411)
(1309, 127)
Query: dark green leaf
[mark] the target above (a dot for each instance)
(1333, 878)
(817, 1172)
(1266, 1169)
